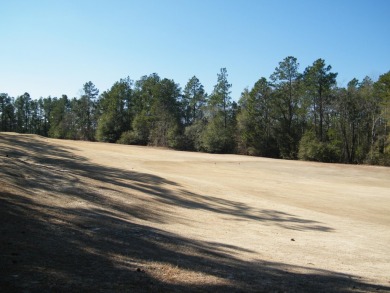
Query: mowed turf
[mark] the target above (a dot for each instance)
(94, 217)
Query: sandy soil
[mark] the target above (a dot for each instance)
(85, 216)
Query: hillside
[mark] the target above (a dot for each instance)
(84, 216)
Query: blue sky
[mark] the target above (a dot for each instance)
(53, 47)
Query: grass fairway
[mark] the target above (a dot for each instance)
(94, 217)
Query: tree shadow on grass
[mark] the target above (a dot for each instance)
(244, 212)
(99, 247)
(48, 249)
(53, 168)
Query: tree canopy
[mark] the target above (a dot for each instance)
(293, 114)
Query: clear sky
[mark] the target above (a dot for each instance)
(52, 47)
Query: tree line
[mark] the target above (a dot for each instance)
(292, 114)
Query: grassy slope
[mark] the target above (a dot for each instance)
(96, 217)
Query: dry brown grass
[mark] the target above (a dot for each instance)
(81, 216)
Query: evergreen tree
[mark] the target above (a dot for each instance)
(59, 115)
(7, 113)
(47, 106)
(165, 110)
(115, 107)
(381, 127)
(255, 121)
(319, 82)
(22, 108)
(158, 115)
(350, 109)
(287, 101)
(87, 111)
(194, 99)
(218, 136)
(145, 92)
(220, 100)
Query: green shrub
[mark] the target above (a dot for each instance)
(311, 149)
(193, 136)
(128, 137)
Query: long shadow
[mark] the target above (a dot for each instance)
(97, 251)
(57, 167)
(54, 248)
(58, 171)
(243, 211)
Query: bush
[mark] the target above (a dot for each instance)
(128, 137)
(193, 136)
(107, 129)
(380, 153)
(141, 129)
(311, 149)
(218, 139)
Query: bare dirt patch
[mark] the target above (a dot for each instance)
(81, 216)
